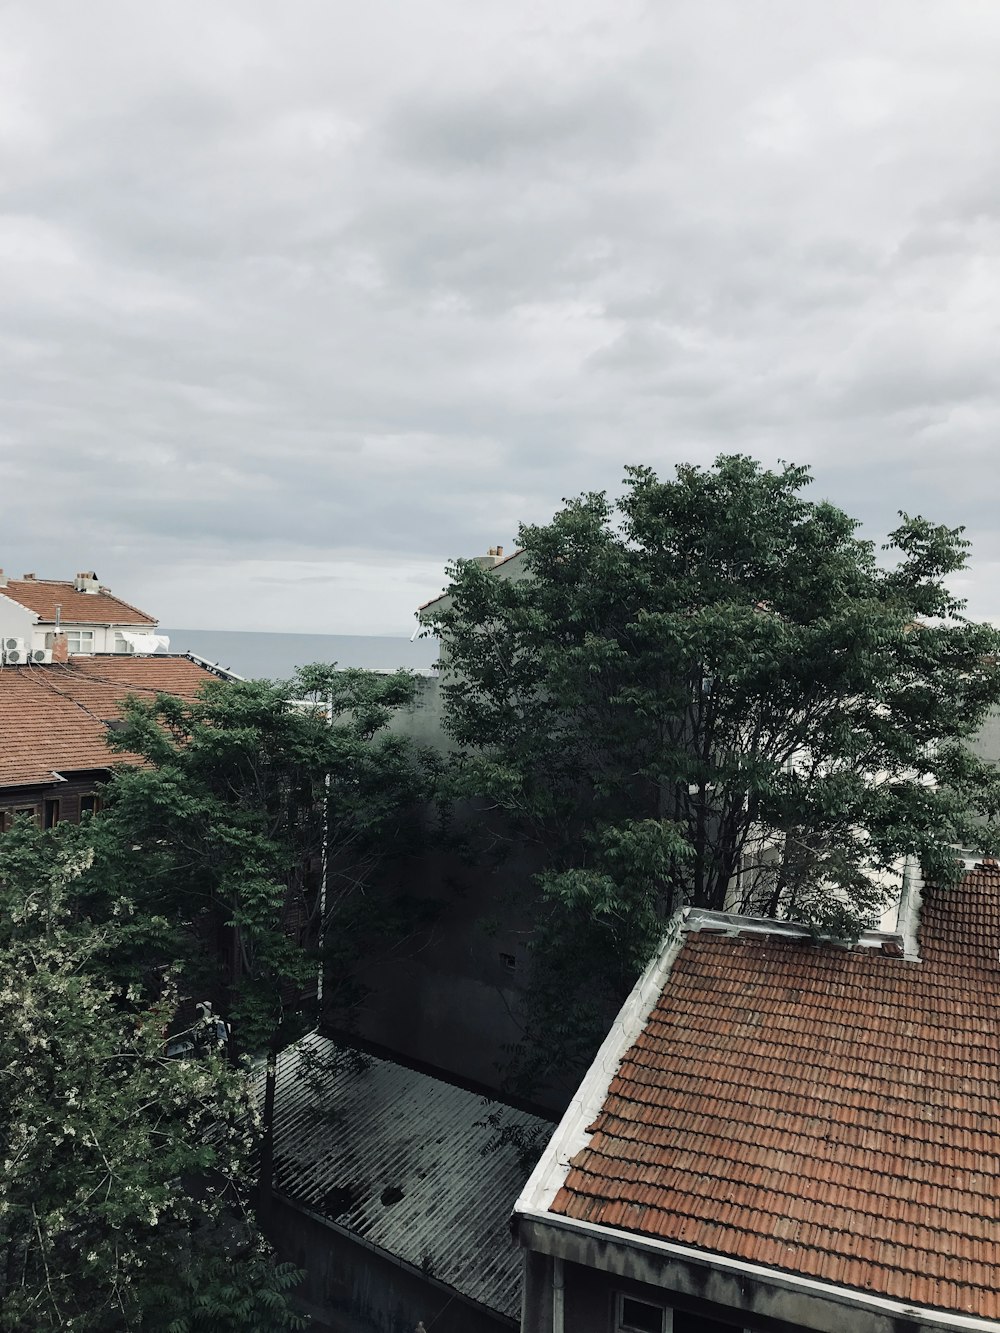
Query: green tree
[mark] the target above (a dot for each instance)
(251, 840)
(262, 813)
(714, 691)
(122, 1195)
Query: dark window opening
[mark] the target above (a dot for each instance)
(89, 805)
(51, 814)
(697, 1323)
(26, 812)
(508, 961)
(639, 1316)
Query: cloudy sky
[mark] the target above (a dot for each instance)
(297, 302)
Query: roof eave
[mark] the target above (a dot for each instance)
(554, 1230)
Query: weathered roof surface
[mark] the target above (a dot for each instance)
(75, 608)
(53, 718)
(834, 1114)
(397, 1157)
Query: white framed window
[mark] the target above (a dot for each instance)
(80, 641)
(122, 644)
(635, 1316)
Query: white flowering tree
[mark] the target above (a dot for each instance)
(122, 1172)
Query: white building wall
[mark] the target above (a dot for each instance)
(16, 622)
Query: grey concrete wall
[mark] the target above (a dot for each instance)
(450, 996)
(596, 1267)
(423, 722)
(351, 1289)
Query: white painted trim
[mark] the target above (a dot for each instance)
(829, 1291)
(571, 1134)
(700, 918)
(213, 667)
(910, 902)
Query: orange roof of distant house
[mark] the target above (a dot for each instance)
(54, 719)
(829, 1113)
(75, 608)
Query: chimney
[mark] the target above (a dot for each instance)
(87, 582)
(60, 647)
(27, 576)
(492, 557)
(3, 579)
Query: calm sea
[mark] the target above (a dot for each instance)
(275, 656)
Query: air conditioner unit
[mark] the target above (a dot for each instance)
(15, 651)
(40, 656)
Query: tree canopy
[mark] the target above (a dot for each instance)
(235, 864)
(714, 691)
(123, 1173)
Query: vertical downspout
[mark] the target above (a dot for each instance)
(321, 941)
(558, 1297)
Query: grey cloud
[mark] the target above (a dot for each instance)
(278, 289)
(516, 124)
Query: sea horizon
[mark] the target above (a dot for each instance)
(265, 654)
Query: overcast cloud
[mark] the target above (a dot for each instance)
(298, 302)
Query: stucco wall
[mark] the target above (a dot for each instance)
(15, 621)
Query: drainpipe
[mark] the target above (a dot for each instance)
(558, 1296)
(324, 870)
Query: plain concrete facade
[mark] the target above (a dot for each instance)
(706, 1291)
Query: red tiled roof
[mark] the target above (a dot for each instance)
(76, 608)
(52, 718)
(834, 1114)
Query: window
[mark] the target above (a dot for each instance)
(696, 1323)
(508, 962)
(80, 641)
(634, 1316)
(51, 814)
(89, 805)
(122, 644)
(26, 812)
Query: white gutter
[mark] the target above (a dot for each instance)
(828, 1291)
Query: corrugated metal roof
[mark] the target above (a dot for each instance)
(399, 1158)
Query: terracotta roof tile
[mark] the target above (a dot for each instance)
(76, 608)
(832, 1113)
(53, 718)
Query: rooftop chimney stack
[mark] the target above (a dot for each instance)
(87, 582)
(3, 579)
(60, 647)
(492, 557)
(27, 576)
